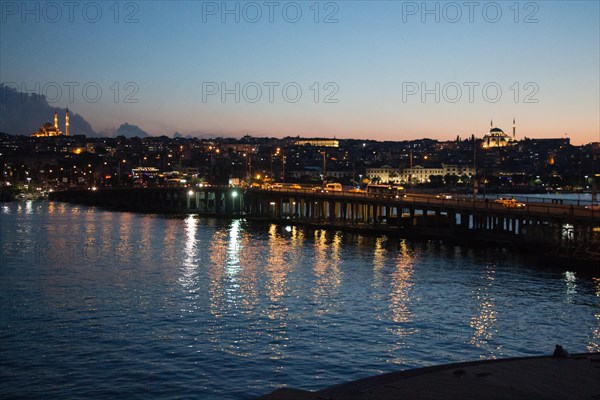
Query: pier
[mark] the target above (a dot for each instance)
(564, 230)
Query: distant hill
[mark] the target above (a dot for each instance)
(130, 130)
(23, 114)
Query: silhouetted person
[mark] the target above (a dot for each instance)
(560, 352)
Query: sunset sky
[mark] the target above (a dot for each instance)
(163, 65)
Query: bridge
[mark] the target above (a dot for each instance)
(570, 230)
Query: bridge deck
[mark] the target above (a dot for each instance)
(464, 203)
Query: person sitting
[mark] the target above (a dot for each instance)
(560, 352)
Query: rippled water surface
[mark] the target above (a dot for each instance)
(99, 304)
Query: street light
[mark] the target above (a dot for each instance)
(278, 151)
(234, 195)
(282, 167)
(119, 170)
(324, 168)
(212, 153)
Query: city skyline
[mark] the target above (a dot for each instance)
(356, 70)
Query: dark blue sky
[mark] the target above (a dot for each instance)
(377, 69)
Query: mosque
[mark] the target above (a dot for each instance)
(48, 129)
(497, 138)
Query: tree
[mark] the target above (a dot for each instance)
(436, 181)
(450, 179)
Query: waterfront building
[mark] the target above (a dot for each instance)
(385, 174)
(306, 172)
(340, 174)
(419, 174)
(458, 170)
(416, 174)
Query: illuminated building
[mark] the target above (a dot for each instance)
(497, 138)
(48, 129)
(318, 142)
(417, 174)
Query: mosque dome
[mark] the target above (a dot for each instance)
(497, 138)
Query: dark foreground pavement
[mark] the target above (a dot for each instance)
(529, 378)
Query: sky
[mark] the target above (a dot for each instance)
(384, 70)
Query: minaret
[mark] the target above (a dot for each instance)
(56, 120)
(67, 123)
(514, 130)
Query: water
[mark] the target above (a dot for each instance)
(99, 304)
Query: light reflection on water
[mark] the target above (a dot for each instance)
(594, 344)
(484, 323)
(188, 278)
(326, 270)
(571, 286)
(399, 304)
(227, 309)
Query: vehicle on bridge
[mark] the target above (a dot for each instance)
(333, 187)
(330, 187)
(509, 202)
(286, 186)
(396, 191)
(357, 190)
